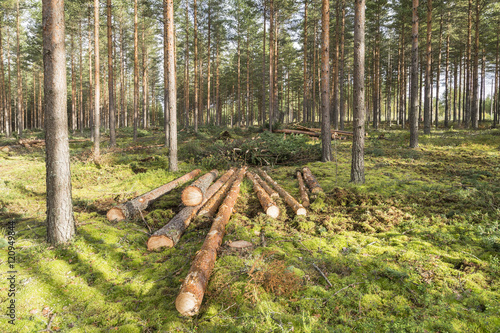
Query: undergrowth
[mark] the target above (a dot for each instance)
(415, 249)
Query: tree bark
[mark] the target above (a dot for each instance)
(414, 79)
(342, 64)
(189, 300)
(311, 181)
(262, 115)
(438, 72)
(290, 201)
(136, 71)
(196, 79)
(60, 221)
(130, 209)
(73, 84)
(376, 74)
(305, 96)
(20, 120)
(3, 92)
(172, 87)
(271, 64)
(81, 122)
(272, 193)
(303, 191)
(427, 94)
(358, 144)
(475, 73)
(326, 137)
(194, 194)
(269, 206)
(111, 103)
(169, 235)
(97, 88)
(447, 68)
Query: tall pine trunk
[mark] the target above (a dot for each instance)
(427, 96)
(172, 87)
(414, 79)
(111, 97)
(97, 88)
(326, 136)
(358, 141)
(60, 221)
(196, 79)
(136, 71)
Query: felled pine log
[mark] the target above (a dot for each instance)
(311, 181)
(131, 209)
(302, 190)
(193, 289)
(318, 130)
(290, 201)
(265, 200)
(210, 207)
(193, 194)
(169, 235)
(272, 193)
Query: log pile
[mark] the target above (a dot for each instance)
(265, 200)
(314, 132)
(169, 235)
(132, 208)
(189, 300)
(290, 201)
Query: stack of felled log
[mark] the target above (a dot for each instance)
(315, 132)
(202, 198)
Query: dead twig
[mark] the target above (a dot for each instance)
(346, 287)
(146, 223)
(47, 329)
(323, 275)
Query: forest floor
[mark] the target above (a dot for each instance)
(415, 249)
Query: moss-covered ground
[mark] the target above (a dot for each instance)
(415, 249)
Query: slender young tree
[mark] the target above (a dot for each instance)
(427, 94)
(358, 142)
(111, 103)
(414, 79)
(305, 96)
(97, 83)
(20, 120)
(60, 221)
(136, 71)
(3, 93)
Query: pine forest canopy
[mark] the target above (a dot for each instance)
(238, 62)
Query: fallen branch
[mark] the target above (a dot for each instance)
(265, 200)
(193, 194)
(311, 181)
(323, 275)
(294, 204)
(130, 209)
(302, 190)
(189, 300)
(169, 235)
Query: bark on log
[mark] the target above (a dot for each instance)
(189, 300)
(193, 194)
(303, 191)
(265, 200)
(210, 207)
(290, 201)
(311, 181)
(169, 235)
(130, 209)
(272, 193)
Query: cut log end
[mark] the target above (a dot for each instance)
(115, 214)
(192, 196)
(156, 242)
(186, 304)
(301, 211)
(273, 211)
